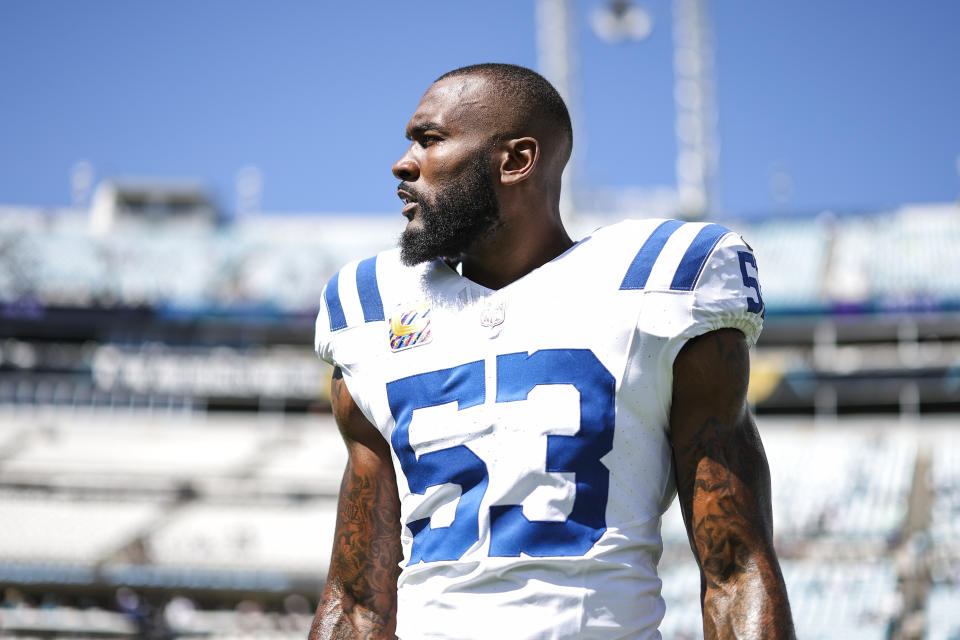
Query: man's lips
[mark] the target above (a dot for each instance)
(410, 203)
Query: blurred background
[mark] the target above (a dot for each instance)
(179, 180)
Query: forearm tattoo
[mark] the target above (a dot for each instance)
(359, 599)
(724, 485)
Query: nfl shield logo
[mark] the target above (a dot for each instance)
(493, 313)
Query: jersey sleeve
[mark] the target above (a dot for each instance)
(350, 301)
(727, 293)
(706, 280)
(323, 331)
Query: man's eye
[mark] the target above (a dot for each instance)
(426, 141)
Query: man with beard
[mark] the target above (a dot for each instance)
(519, 409)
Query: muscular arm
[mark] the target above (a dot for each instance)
(723, 484)
(360, 596)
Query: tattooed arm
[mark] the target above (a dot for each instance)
(360, 596)
(723, 484)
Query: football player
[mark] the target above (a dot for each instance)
(520, 409)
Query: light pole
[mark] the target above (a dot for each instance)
(694, 102)
(696, 115)
(556, 60)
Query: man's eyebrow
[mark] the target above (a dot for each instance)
(423, 127)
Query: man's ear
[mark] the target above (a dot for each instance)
(520, 156)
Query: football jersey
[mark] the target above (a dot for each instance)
(529, 426)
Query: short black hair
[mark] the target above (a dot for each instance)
(524, 88)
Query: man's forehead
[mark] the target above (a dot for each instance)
(454, 101)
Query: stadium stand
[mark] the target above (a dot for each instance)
(803, 278)
(945, 479)
(846, 516)
(293, 538)
(56, 530)
(943, 616)
(894, 256)
(169, 466)
(171, 508)
(881, 261)
(943, 550)
(829, 600)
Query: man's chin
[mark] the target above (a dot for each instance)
(412, 260)
(414, 249)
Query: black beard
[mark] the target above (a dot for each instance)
(462, 211)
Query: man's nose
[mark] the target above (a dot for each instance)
(406, 168)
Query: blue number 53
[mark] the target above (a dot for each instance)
(511, 532)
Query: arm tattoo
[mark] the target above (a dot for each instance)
(359, 599)
(723, 482)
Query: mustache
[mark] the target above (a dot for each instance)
(409, 188)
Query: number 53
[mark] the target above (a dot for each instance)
(511, 533)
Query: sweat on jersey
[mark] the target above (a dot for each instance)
(529, 426)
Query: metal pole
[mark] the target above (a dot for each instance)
(556, 61)
(693, 63)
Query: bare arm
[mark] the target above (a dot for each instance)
(723, 484)
(360, 596)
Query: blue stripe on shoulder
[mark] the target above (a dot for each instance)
(369, 291)
(693, 261)
(331, 295)
(639, 271)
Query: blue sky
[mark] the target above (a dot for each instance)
(856, 101)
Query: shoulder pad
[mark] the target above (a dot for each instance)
(673, 256)
(353, 293)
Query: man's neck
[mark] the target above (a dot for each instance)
(511, 254)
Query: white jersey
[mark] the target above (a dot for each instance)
(529, 425)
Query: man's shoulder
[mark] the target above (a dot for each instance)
(355, 294)
(661, 254)
(366, 290)
(692, 276)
